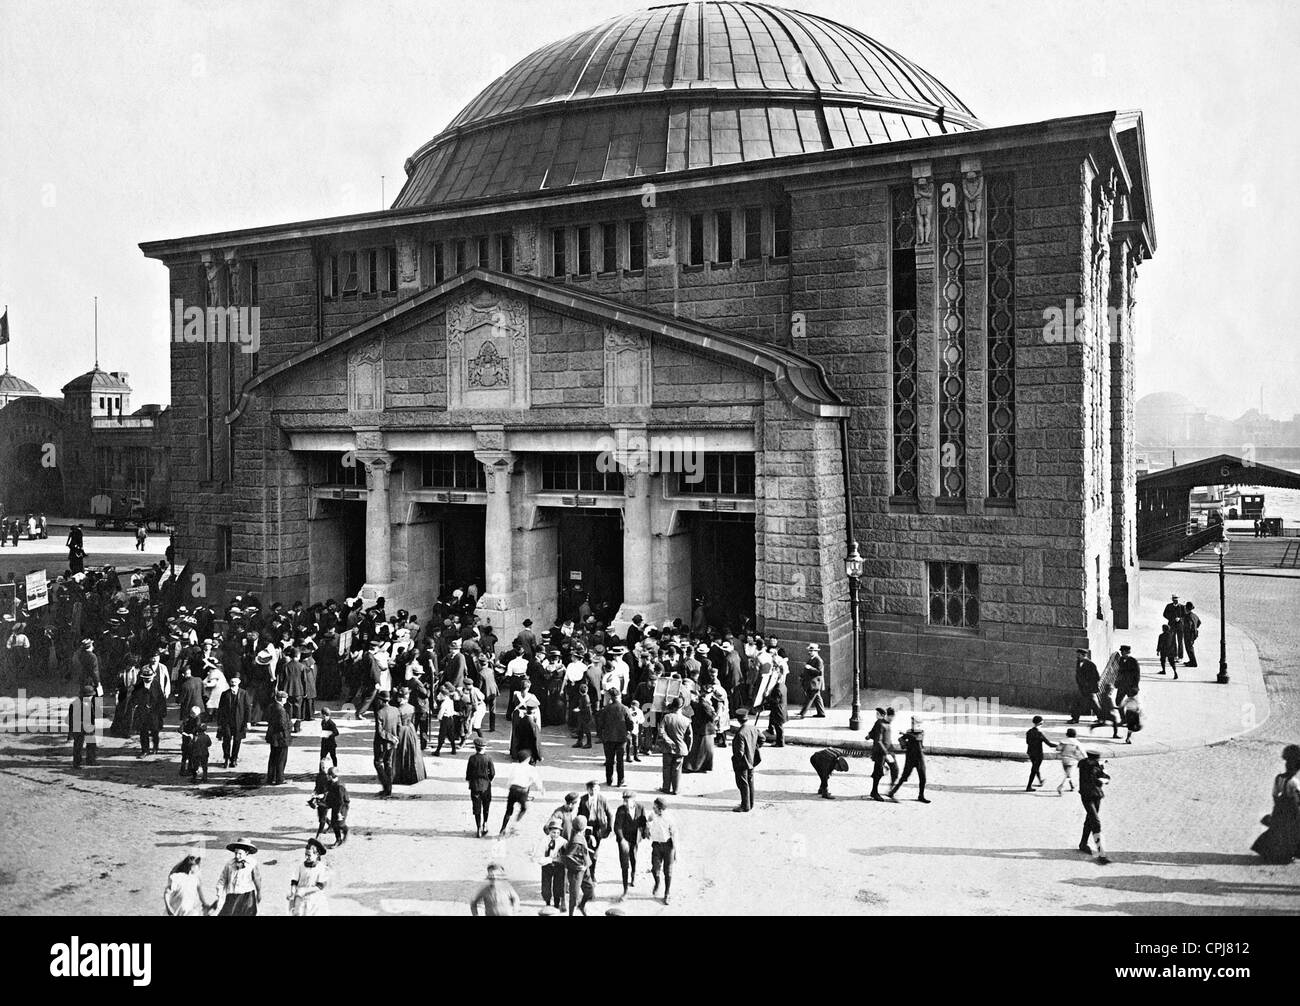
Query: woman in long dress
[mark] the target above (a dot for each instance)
(184, 895)
(703, 715)
(121, 725)
(214, 686)
(1281, 843)
(408, 759)
(524, 730)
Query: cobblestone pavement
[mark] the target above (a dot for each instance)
(1179, 825)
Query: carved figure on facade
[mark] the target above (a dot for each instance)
(972, 184)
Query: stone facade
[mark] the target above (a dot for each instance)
(752, 310)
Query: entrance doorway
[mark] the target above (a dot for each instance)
(722, 568)
(591, 563)
(461, 560)
(353, 521)
(36, 487)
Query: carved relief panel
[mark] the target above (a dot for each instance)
(627, 368)
(366, 378)
(487, 352)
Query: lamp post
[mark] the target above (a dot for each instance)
(1221, 549)
(853, 567)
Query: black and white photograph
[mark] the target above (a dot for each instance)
(580, 458)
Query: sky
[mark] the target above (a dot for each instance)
(136, 121)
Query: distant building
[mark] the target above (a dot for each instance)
(1172, 429)
(58, 453)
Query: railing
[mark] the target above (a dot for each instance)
(122, 422)
(1173, 542)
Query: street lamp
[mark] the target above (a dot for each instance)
(1221, 550)
(853, 567)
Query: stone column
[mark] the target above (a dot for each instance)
(633, 459)
(498, 466)
(379, 527)
(501, 603)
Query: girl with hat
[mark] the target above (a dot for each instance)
(239, 889)
(307, 888)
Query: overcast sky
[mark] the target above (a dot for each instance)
(135, 121)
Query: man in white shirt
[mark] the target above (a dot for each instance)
(661, 829)
(524, 780)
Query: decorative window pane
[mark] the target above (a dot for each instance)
(720, 475)
(559, 267)
(390, 259)
(954, 594)
(903, 286)
(781, 231)
(636, 244)
(723, 222)
(584, 251)
(952, 347)
(451, 470)
(695, 239)
(348, 268)
(1002, 336)
(608, 247)
(754, 232)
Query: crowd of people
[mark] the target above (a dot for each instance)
(441, 683)
(14, 527)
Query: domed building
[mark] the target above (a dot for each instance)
(13, 387)
(668, 316)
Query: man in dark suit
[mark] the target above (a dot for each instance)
(675, 736)
(189, 690)
(1128, 674)
(629, 828)
(479, 773)
(279, 730)
(1087, 681)
(1173, 616)
(234, 711)
(293, 680)
(613, 722)
(387, 722)
(594, 807)
(744, 757)
(776, 707)
(526, 641)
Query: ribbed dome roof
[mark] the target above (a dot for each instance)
(682, 86)
(98, 380)
(13, 386)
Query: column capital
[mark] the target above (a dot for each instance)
(497, 463)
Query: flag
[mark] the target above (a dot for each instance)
(4, 327)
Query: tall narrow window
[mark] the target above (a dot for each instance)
(484, 253)
(506, 251)
(559, 265)
(462, 262)
(348, 268)
(390, 259)
(754, 232)
(903, 325)
(636, 245)
(952, 345)
(439, 263)
(695, 239)
(722, 221)
(371, 258)
(584, 251)
(781, 231)
(608, 247)
(1001, 201)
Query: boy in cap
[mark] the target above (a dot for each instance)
(1034, 741)
(329, 737)
(1092, 779)
(336, 799)
(824, 762)
(279, 730)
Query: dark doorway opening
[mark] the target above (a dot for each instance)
(591, 563)
(353, 520)
(461, 560)
(722, 568)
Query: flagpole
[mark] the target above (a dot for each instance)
(97, 333)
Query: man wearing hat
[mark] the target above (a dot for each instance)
(629, 828)
(1128, 675)
(814, 676)
(1034, 741)
(279, 733)
(824, 762)
(547, 856)
(1173, 616)
(479, 773)
(83, 715)
(1087, 681)
(388, 722)
(744, 759)
(613, 723)
(234, 712)
(239, 888)
(675, 736)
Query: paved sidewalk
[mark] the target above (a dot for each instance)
(1194, 711)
